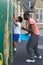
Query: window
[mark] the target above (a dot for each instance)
(39, 15)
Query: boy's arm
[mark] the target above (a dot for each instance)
(15, 22)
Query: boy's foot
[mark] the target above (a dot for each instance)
(40, 57)
(29, 60)
(15, 49)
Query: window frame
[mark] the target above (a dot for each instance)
(39, 9)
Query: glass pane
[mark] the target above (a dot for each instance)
(36, 11)
(37, 14)
(41, 16)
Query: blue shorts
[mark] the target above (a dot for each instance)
(16, 37)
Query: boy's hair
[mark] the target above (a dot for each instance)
(20, 19)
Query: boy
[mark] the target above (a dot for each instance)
(17, 30)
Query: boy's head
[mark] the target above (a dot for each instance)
(20, 19)
(26, 15)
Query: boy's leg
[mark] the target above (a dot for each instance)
(15, 40)
(14, 43)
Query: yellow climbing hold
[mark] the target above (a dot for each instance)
(1, 61)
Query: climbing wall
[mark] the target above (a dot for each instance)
(3, 18)
(7, 8)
